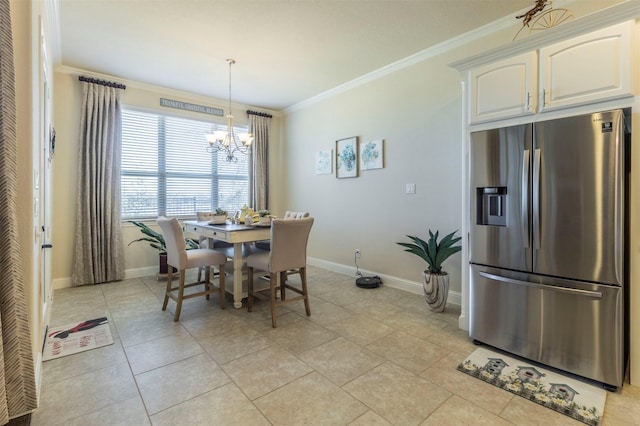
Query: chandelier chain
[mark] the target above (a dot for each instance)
(229, 142)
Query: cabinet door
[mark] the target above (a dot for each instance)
(592, 67)
(504, 89)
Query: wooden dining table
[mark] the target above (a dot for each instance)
(240, 236)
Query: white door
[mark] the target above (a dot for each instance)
(42, 208)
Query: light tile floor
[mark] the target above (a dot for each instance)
(364, 357)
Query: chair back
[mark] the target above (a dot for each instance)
(174, 240)
(289, 243)
(295, 215)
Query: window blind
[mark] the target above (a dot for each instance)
(167, 172)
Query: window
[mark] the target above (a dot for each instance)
(167, 172)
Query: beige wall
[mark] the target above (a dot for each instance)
(140, 259)
(417, 112)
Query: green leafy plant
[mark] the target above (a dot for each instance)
(431, 251)
(263, 213)
(219, 212)
(156, 240)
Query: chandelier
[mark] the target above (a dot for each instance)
(228, 141)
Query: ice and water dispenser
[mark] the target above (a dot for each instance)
(492, 206)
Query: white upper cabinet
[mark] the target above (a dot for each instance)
(584, 69)
(504, 89)
(588, 68)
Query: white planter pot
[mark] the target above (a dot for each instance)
(218, 219)
(436, 290)
(265, 220)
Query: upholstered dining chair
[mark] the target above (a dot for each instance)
(295, 215)
(288, 251)
(266, 244)
(182, 259)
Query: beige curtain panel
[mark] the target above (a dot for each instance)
(259, 127)
(98, 256)
(17, 377)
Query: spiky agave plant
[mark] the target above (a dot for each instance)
(431, 251)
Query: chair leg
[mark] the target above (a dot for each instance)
(305, 293)
(176, 316)
(168, 290)
(250, 289)
(207, 278)
(272, 286)
(221, 285)
(283, 279)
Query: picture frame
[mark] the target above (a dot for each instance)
(324, 162)
(372, 155)
(347, 157)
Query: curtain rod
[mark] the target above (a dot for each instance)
(260, 114)
(102, 82)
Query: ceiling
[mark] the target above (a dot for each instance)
(286, 51)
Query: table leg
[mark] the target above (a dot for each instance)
(237, 275)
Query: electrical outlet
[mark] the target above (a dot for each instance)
(357, 252)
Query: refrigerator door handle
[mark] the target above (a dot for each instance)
(618, 203)
(573, 291)
(536, 199)
(524, 210)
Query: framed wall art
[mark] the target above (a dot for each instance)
(372, 155)
(324, 162)
(347, 158)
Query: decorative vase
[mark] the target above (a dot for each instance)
(436, 290)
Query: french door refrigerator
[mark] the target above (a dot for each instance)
(547, 243)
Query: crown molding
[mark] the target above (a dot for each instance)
(411, 60)
(601, 19)
(423, 55)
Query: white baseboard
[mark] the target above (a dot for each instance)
(415, 287)
(59, 283)
(388, 280)
(140, 272)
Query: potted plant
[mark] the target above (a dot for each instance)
(156, 240)
(436, 281)
(220, 216)
(265, 216)
(214, 218)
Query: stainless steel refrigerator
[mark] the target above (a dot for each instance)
(547, 243)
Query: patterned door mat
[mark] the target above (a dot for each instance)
(579, 400)
(77, 337)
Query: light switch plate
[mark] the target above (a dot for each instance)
(410, 188)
